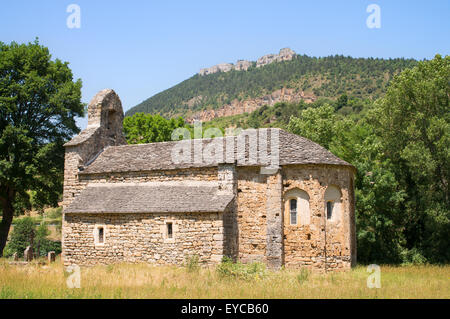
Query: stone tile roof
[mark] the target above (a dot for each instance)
(149, 198)
(293, 149)
(83, 136)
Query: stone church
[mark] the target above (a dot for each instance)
(165, 202)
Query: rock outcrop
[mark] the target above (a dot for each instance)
(223, 67)
(239, 107)
(285, 54)
(242, 65)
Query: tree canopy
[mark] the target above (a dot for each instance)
(146, 128)
(39, 101)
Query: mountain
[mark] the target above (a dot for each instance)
(230, 90)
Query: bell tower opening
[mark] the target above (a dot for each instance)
(111, 123)
(111, 117)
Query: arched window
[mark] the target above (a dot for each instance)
(297, 207)
(293, 211)
(330, 205)
(332, 202)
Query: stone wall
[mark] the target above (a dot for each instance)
(227, 183)
(304, 245)
(105, 116)
(264, 230)
(76, 157)
(143, 238)
(251, 214)
(274, 220)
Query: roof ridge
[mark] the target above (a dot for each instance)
(207, 138)
(175, 141)
(293, 150)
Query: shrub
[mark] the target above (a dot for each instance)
(303, 276)
(412, 256)
(42, 244)
(46, 245)
(25, 233)
(22, 236)
(54, 213)
(192, 264)
(228, 269)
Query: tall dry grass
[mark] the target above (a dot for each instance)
(148, 281)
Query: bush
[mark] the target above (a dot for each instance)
(25, 233)
(48, 245)
(228, 269)
(42, 244)
(412, 256)
(22, 236)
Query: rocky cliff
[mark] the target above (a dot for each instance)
(285, 54)
(239, 107)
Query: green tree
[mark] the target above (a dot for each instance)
(42, 232)
(42, 244)
(379, 196)
(23, 235)
(38, 104)
(146, 128)
(341, 101)
(317, 124)
(413, 122)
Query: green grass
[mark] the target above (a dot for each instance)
(148, 281)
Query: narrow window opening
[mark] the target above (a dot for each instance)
(169, 230)
(101, 234)
(110, 123)
(293, 211)
(111, 118)
(329, 209)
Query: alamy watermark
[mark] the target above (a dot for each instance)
(74, 19)
(374, 19)
(374, 279)
(74, 278)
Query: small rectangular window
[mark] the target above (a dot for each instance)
(293, 211)
(169, 230)
(101, 234)
(329, 209)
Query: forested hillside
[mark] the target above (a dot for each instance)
(280, 114)
(321, 77)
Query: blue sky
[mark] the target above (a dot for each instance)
(140, 48)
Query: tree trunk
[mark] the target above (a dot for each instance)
(8, 212)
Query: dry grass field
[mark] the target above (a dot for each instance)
(147, 281)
